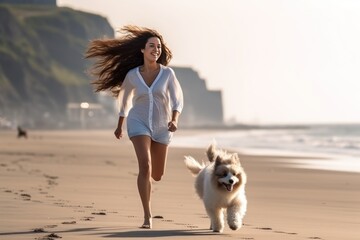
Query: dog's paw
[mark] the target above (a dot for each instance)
(218, 229)
(235, 225)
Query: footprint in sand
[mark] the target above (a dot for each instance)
(87, 219)
(281, 232)
(70, 222)
(60, 204)
(98, 213)
(289, 233)
(50, 226)
(51, 180)
(264, 228)
(25, 196)
(49, 237)
(51, 177)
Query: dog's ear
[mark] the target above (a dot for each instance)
(218, 161)
(211, 153)
(235, 158)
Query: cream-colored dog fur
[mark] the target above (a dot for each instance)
(221, 186)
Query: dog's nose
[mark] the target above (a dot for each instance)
(231, 181)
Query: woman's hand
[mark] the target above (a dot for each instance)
(172, 126)
(118, 133)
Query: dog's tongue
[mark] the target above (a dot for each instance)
(229, 187)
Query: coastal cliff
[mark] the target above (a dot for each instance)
(43, 78)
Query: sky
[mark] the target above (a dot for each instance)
(275, 61)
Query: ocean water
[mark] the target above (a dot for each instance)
(333, 147)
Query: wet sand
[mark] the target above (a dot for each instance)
(82, 185)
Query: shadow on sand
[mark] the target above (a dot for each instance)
(157, 233)
(120, 233)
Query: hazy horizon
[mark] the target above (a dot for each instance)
(276, 62)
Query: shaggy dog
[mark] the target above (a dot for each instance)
(221, 185)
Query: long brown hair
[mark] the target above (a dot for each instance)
(115, 57)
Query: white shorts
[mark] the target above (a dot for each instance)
(137, 128)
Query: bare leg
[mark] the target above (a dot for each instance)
(142, 146)
(158, 159)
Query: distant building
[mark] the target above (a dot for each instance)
(84, 114)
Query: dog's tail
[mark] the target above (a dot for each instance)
(194, 166)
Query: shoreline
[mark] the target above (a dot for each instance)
(82, 185)
(300, 159)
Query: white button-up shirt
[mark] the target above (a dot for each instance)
(153, 106)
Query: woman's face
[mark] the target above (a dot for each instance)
(152, 50)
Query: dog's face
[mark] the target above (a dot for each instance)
(228, 173)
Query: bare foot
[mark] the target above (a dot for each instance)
(147, 223)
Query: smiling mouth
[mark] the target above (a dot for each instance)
(228, 187)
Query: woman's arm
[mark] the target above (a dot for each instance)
(118, 131)
(172, 125)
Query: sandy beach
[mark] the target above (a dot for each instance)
(82, 185)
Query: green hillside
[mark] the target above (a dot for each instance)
(42, 67)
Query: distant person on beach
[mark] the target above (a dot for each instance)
(134, 68)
